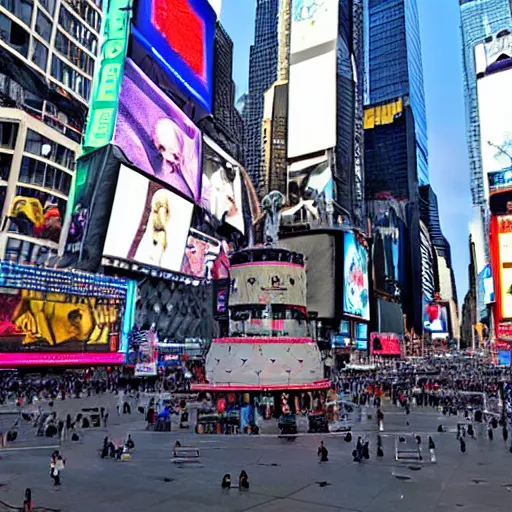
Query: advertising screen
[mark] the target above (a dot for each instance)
(313, 23)
(310, 185)
(356, 292)
(436, 318)
(268, 283)
(205, 257)
(500, 181)
(504, 357)
(148, 224)
(36, 213)
(505, 265)
(385, 344)
(155, 135)
(361, 335)
(495, 128)
(38, 321)
(179, 35)
(222, 186)
(486, 285)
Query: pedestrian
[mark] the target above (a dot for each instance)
(432, 449)
(490, 433)
(226, 482)
(380, 420)
(471, 431)
(322, 452)
(505, 433)
(243, 481)
(27, 502)
(462, 445)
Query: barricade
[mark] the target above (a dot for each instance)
(186, 455)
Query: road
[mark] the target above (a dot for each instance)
(283, 475)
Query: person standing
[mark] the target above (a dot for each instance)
(322, 452)
(380, 420)
(432, 450)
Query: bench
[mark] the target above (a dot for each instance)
(183, 455)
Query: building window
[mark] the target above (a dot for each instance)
(22, 9)
(41, 174)
(8, 134)
(39, 54)
(76, 29)
(24, 252)
(43, 26)
(14, 35)
(86, 12)
(71, 78)
(5, 166)
(74, 53)
(49, 5)
(3, 192)
(40, 145)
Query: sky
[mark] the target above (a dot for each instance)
(442, 69)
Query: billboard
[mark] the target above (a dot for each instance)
(108, 76)
(148, 224)
(221, 191)
(356, 291)
(205, 257)
(314, 32)
(486, 285)
(310, 191)
(361, 336)
(179, 35)
(268, 283)
(385, 344)
(37, 214)
(38, 321)
(436, 318)
(504, 257)
(156, 136)
(495, 129)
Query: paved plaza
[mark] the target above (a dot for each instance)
(283, 475)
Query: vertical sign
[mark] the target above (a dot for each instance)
(109, 74)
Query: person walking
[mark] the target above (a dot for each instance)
(380, 420)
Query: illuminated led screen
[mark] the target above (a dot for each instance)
(505, 265)
(148, 223)
(179, 35)
(156, 136)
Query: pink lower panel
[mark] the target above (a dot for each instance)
(264, 341)
(320, 384)
(19, 359)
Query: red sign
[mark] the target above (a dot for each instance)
(184, 30)
(504, 331)
(385, 344)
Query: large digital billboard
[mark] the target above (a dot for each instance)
(385, 344)
(156, 136)
(268, 283)
(495, 128)
(503, 256)
(52, 316)
(314, 32)
(221, 192)
(148, 224)
(436, 318)
(356, 291)
(179, 35)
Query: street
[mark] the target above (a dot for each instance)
(283, 475)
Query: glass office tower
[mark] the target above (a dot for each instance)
(394, 70)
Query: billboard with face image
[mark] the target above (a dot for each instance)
(148, 224)
(156, 136)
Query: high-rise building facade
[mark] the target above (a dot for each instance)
(480, 19)
(394, 70)
(263, 69)
(48, 51)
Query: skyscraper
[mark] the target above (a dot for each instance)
(480, 19)
(394, 71)
(263, 64)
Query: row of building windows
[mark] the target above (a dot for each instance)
(71, 78)
(40, 145)
(22, 9)
(75, 28)
(35, 172)
(14, 35)
(86, 12)
(74, 53)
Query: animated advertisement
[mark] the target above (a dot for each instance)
(436, 318)
(356, 293)
(385, 344)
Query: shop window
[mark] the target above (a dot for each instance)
(22, 9)
(5, 166)
(8, 134)
(14, 35)
(39, 54)
(43, 26)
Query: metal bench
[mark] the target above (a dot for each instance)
(409, 450)
(184, 455)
